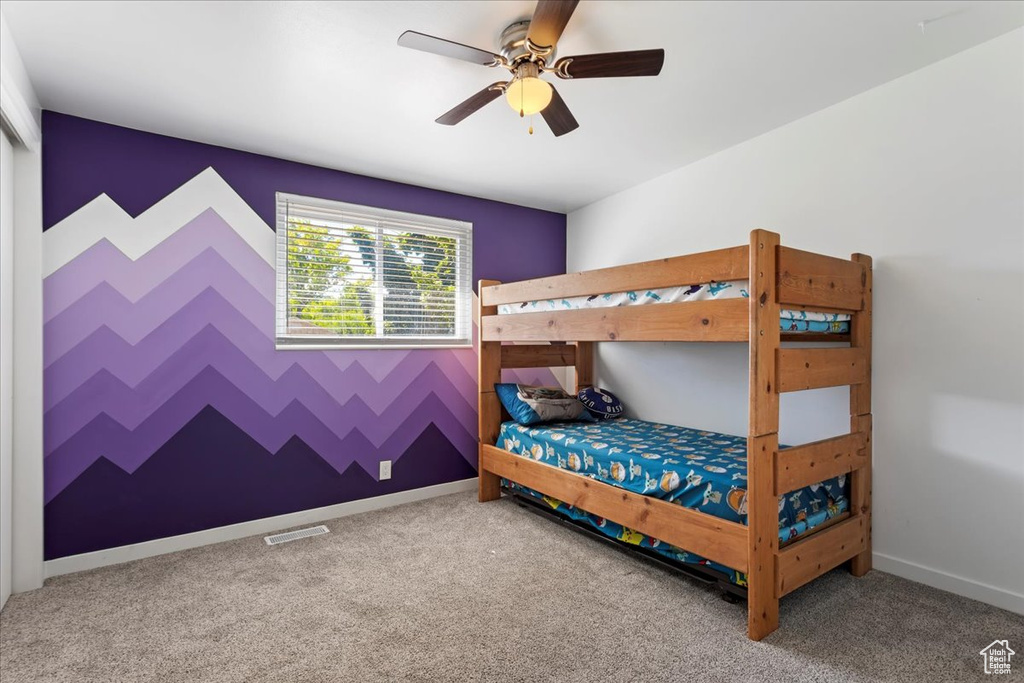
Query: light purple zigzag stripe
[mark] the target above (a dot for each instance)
(105, 350)
(104, 393)
(380, 362)
(103, 262)
(129, 449)
(104, 305)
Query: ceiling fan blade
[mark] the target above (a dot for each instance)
(611, 64)
(558, 117)
(474, 103)
(549, 20)
(448, 48)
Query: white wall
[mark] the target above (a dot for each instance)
(6, 338)
(27, 461)
(21, 520)
(926, 174)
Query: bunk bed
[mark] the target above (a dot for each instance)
(555, 321)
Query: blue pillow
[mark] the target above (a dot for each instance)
(533, 405)
(602, 404)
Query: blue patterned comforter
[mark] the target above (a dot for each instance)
(698, 469)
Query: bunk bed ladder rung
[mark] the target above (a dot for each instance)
(537, 356)
(806, 559)
(815, 462)
(801, 369)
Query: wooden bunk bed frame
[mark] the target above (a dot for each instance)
(778, 276)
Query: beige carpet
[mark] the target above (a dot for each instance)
(449, 589)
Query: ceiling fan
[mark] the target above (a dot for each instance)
(528, 50)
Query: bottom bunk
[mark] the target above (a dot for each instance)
(541, 506)
(697, 469)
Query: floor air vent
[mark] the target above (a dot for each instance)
(278, 539)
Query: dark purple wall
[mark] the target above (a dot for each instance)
(167, 409)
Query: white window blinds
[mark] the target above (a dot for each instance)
(350, 275)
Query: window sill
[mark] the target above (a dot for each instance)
(367, 347)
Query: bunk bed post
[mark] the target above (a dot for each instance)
(584, 365)
(488, 405)
(762, 437)
(860, 418)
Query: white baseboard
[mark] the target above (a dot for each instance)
(991, 595)
(161, 546)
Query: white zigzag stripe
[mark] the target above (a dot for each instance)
(104, 218)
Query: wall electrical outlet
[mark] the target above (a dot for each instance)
(385, 470)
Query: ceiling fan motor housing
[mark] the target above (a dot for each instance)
(514, 47)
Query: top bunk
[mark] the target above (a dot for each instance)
(701, 297)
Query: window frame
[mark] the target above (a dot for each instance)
(377, 219)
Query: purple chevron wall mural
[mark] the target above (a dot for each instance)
(167, 408)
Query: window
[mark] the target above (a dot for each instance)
(350, 275)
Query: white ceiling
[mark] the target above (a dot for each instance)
(325, 82)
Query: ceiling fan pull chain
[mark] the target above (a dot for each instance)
(531, 124)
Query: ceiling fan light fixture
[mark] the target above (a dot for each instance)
(528, 95)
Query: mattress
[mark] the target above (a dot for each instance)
(702, 470)
(790, 320)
